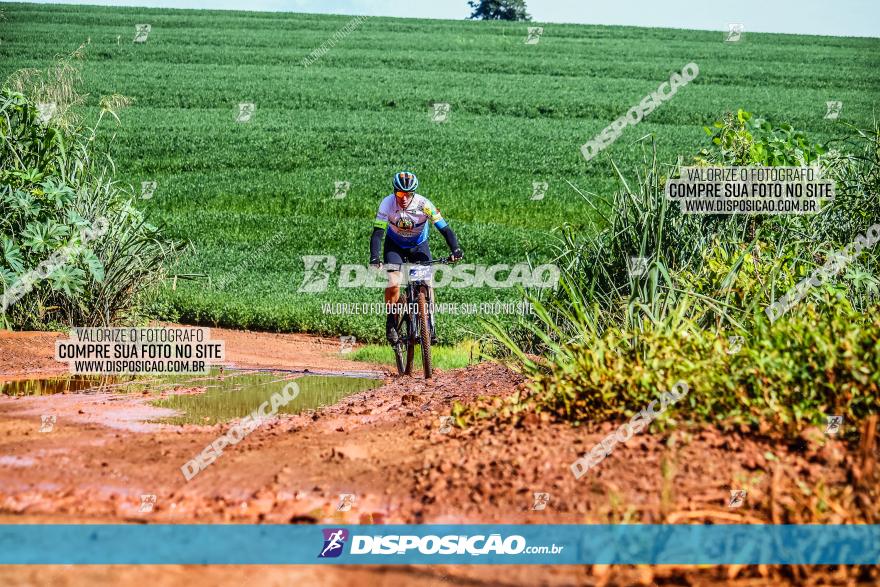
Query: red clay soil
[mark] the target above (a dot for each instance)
(386, 447)
(32, 354)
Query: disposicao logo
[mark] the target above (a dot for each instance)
(334, 540)
(404, 544)
(450, 544)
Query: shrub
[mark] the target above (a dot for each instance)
(73, 248)
(609, 342)
(824, 360)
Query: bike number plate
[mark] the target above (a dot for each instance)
(420, 273)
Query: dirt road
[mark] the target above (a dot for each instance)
(386, 446)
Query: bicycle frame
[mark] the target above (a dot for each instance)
(412, 295)
(418, 280)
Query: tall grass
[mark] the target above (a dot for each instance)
(53, 186)
(607, 340)
(598, 288)
(694, 262)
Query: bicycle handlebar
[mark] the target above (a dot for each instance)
(444, 261)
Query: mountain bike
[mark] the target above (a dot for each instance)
(415, 322)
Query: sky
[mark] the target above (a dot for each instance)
(850, 18)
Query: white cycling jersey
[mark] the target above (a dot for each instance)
(407, 227)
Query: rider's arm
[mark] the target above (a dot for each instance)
(379, 227)
(442, 226)
(447, 233)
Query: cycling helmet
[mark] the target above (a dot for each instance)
(405, 181)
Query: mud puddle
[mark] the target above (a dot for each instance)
(50, 385)
(235, 397)
(223, 394)
(61, 384)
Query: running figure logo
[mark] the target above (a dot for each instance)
(539, 188)
(445, 424)
(734, 344)
(637, 266)
(833, 109)
(834, 423)
(334, 540)
(317, 272)
(541, 501)
(47, 110)
(148, 501)
(734, 32)
(534, 35)
(737, 498)
(142, 31)
(342, 188)
(346, 500)
(441, 112)
(147, 189)
(47, 422)
(245, 111)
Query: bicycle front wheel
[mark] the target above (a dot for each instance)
(425, 332)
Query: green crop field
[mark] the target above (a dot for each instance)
(254, 197)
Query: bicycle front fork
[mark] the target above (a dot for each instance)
(430, 301)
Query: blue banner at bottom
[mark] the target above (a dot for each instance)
(439, 544)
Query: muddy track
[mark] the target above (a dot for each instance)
(386, 447)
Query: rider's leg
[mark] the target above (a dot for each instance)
(393, 260)
(392, 306)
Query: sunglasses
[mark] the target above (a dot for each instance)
(403, 194)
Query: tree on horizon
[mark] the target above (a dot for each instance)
(499, 10)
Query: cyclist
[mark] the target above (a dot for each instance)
(403, 216)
